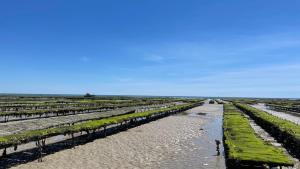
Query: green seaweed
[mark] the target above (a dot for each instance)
(34, 135)
(244, 145)
(282, 124)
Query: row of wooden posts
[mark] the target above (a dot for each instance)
(41, 142)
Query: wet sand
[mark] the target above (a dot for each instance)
(201, 152)
(171, 142)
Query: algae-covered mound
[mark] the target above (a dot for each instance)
(243, 146)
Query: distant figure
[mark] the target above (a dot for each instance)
(218, 142)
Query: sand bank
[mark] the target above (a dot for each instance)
(158, 144)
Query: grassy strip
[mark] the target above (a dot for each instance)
(28, 136)
(285, 131)
(244, 146)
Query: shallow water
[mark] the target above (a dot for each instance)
(202, 151)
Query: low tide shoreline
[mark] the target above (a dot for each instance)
(158, 144)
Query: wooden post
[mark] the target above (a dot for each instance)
(73, 141)
(104, 131)
(218, 142)
(4, 153)
(44, 142)
(38, 144)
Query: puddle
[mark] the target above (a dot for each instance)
(201, 153)
(192, 114)
(206, 143)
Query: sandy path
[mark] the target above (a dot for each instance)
(286, 116)
(154, 145)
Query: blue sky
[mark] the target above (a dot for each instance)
(158, 47)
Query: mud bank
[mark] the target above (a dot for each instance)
(185, 140)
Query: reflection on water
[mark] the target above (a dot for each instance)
(208, 153)
(201, 152)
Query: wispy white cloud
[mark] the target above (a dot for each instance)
(213, 57)
(272, 81)
(230, 49)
